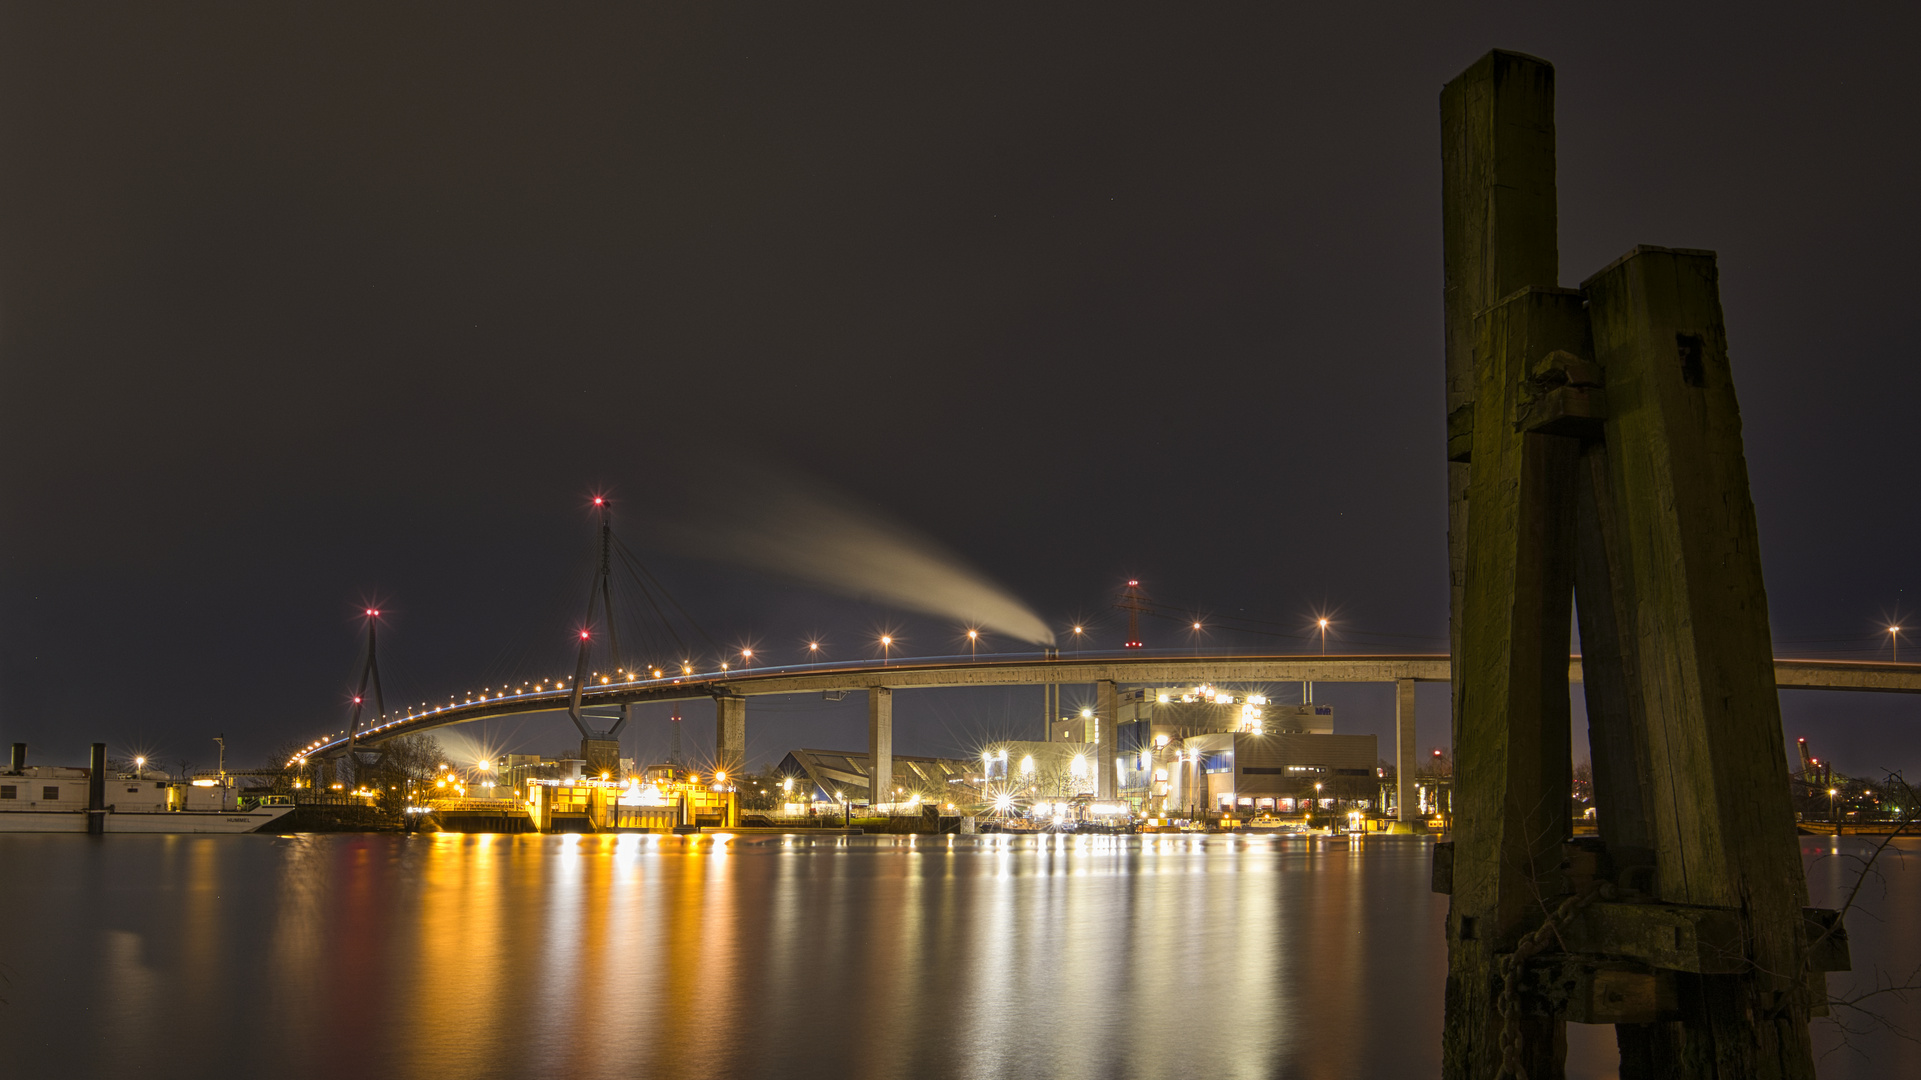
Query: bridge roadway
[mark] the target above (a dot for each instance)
(878, 679)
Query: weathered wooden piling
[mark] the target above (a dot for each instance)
(1595, 456)
(97, 790)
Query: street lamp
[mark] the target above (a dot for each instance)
(1894, 639)
(1832, 792)
(1307, 685)
(747, 658)
(973, 640)
(886, 648)
(1077, 642)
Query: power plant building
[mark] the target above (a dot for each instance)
(1192, 751)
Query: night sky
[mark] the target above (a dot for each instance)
(306, 307)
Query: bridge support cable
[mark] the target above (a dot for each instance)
(649, 586)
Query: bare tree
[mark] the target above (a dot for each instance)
(406, 762)
(1861, 1007)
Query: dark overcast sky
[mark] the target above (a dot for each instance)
(307, 304)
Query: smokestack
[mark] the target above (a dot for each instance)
(19, 757)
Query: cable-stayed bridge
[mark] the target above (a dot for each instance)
(593, 695)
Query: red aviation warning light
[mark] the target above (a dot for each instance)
(583, 635)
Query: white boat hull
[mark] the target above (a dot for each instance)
(166, 821)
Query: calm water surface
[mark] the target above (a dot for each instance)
(633, 956)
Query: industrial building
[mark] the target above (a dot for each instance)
(1201, 750)
(841, 776)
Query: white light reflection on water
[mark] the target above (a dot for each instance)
(638, 956)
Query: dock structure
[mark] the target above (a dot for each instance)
(1595, 461)
(587, 805)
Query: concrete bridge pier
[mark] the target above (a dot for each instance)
(880, 745)
(1107, 711)
(1405, 809)
(730, 734)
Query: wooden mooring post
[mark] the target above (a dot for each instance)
(1596, 464)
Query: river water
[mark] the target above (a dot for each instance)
(762, 956)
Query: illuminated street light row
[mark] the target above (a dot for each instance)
(560, 684)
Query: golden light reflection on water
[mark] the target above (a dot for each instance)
(751, 956)
(640, 956)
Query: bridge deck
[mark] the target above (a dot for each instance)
(909, 674)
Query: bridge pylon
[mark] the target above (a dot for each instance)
(600, 749)
(370, 669)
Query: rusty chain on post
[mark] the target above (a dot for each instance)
(1511, 967)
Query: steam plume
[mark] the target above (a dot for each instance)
(801, 530)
